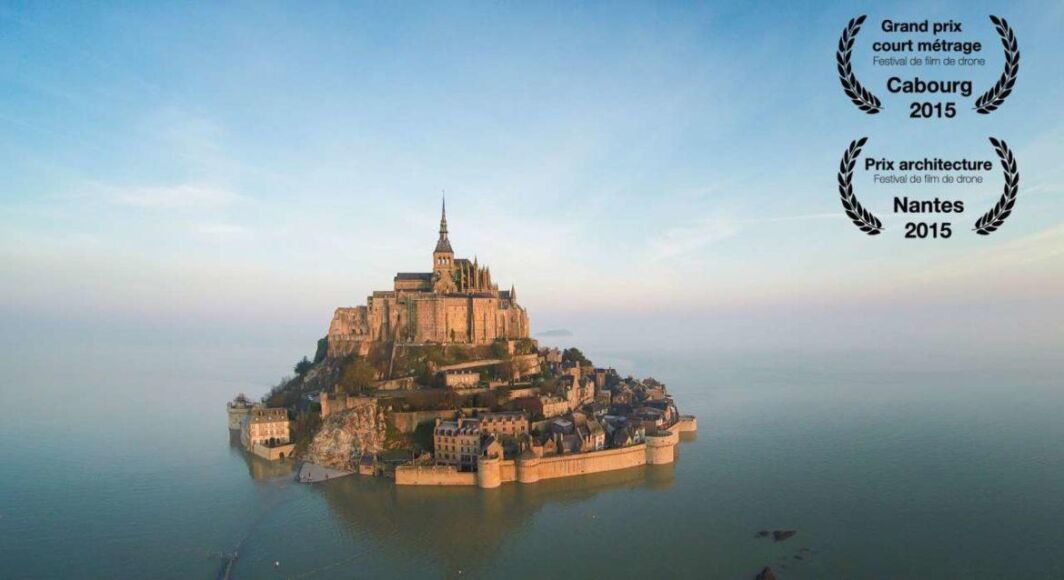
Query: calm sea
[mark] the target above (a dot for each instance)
(117, 463)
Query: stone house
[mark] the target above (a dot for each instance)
(552, 406)
(266, 433)
(509, 423)
(595, 440)
(457, 442)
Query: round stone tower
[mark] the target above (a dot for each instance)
(489, 472)
(661, 447)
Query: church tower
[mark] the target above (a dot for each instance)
(443, 259)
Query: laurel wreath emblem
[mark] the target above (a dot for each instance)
(860, 96)
(993, 219)
(861, 217)
(993, 98)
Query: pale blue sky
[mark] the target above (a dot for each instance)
(636, 170)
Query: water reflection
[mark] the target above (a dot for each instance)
(463, 528)
(259, 468)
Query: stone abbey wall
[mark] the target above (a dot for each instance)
(425, 318)
(455, 303)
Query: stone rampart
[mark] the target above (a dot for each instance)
(659, 449)
(432, 475)
(507, 470)
(403, 383)
(407, 421)
(337, 403)
(594, 462)
(489, 472)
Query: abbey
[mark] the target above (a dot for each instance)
(457, 302)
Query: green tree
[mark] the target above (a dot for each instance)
(304, 427)
(303, 367)
(574, 355)
(322, 350)
(500, 350)
(357, 376)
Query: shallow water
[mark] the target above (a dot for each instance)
(884, 473)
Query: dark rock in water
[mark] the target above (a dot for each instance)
(766, 573)
(782, 535)
(799, 558)
(763, 534)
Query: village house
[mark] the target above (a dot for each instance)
(266, 433)
(457, 442)
(544, 406)
(508, 423)
(554, 406)
(595, 439)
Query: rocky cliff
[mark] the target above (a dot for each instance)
(346, 435)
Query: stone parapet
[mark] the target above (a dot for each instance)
(432, 475)
(528, 469)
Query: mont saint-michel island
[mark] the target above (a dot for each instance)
(438, 382)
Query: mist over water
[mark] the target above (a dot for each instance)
(117, 463)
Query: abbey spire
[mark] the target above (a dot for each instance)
(443, 244)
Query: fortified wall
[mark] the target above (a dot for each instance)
(659, 449)
(337, 403)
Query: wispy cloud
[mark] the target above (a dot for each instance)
(184, 196)
(683, 240)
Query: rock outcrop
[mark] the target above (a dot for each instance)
(783, 535)
(766, 573)
(346, 435)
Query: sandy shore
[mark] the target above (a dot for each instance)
(311, 473)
